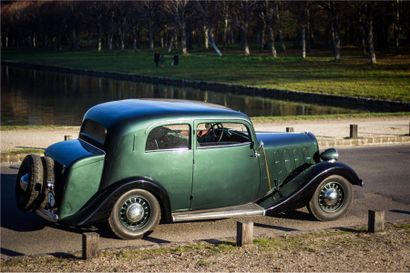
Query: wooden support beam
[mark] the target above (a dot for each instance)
(376, 221)
(244, 233)
(353, 131)
(91, 245)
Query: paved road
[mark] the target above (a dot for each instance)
(385, 170)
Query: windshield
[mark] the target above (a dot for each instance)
(93, 132)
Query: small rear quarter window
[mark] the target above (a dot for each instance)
(168, 137)
(91, 129)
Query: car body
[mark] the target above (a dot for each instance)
(138, 161)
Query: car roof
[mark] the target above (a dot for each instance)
(112, 113)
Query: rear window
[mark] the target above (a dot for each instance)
(94, 132)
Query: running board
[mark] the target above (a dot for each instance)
(250, 209)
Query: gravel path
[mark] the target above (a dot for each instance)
(332, 250)
(323, 129)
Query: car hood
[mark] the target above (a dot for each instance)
(272, 139)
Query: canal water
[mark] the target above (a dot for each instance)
(32, 97)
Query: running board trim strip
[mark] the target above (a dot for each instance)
(230, 212)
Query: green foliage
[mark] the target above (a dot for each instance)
(389, 79)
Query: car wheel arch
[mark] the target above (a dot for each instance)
(99, 207)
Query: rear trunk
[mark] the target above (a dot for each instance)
(78, 170)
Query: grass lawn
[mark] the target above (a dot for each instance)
(389, 79)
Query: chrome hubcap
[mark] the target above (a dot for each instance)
(135, 213)
(331, 197)
(24, 180)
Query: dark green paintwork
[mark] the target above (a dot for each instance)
(83, 181)
(194, 178)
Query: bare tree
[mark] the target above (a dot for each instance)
(302, 8)
(370, 32)
(178, 10)
(243, 16)
(150, 9)
(279, 25)
(362, 26)
(333, 13)
(396, 24)
(267, 16)
(210, 13)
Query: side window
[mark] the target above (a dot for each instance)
(168, 137)
(222, 133)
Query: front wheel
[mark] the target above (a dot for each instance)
(134, 214)
(331, 199)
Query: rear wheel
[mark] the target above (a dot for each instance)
(331, 199)
(134, 214)
(29, 183)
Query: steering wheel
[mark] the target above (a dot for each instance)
(213, 129)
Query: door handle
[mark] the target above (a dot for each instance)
(255, 154)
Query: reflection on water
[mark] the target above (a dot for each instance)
(30, 97)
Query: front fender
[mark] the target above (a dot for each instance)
(99, 207)
(308, 180)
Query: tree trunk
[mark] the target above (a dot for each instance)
(206, 37)
(34, 41)
(225, 33)
(370, 41)
(272, 41)
(397, 25)
(303, 41)
(184, 39)
(171, 43)
(263, 35)
(335, 31)
(212, 42)
(246, 49)
(151, 36)
(176, 45)
(278, 23)
(362, 34)
(110, 38)
(99, 47)
(308, 30)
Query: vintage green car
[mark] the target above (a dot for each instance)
(137, 162)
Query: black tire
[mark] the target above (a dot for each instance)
(120, 222)
(328, 209)
(32, 167)
(49, 177)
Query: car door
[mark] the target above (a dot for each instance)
(168, 159)
(226, 168)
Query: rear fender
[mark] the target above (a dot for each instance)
(98, 209)
(308, 180)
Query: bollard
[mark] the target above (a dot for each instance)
(353, 130)
(67, 137)
(289, 129)
(244, 233)
(376, 221)
(90, 245)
